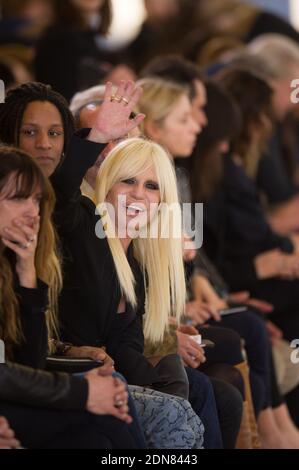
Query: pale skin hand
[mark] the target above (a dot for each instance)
(244, 298)
(7, 436)
(189, 250)
(274, 263)
(22, 238)
(103, 395)
(97, 354)
(200, 312)
(191, 353)
(284, 219)
(203, 291)
(113, 118)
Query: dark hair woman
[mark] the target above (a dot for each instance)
(254, 97)
(206, 162)
(30, 276)
(68, 56)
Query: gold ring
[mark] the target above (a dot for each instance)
(116, 98)
(125, 101)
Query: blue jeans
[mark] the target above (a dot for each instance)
(135, 427)
(202, 399)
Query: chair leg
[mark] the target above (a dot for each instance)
(255, 439)
(244, 440)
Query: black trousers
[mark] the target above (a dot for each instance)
(43, 429)
(229, 404)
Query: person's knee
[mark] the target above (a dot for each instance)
(228, 398)
(255, 325)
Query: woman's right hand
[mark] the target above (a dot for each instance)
(107, 396)
(203, 290)
(191, 353)
(21, 237)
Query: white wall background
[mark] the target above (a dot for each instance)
(127, 18)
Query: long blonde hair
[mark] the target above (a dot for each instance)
(17, 164)
(160, 259)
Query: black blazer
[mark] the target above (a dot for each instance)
(21, 385)
(236, 230)
(91, 294)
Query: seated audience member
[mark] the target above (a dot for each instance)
(30, 270)
(67, 412)
(276, 57)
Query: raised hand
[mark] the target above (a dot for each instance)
(114, 119)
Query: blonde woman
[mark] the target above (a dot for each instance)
(141, 186)
(30, 277)
(114, 281)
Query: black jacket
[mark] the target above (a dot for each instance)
(24, 386)
(91, 294)
(236, 230)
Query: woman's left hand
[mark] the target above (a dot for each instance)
(21, 237)
(97, 354)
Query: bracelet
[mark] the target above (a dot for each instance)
(61, 348)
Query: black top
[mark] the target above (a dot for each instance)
(33, 349)
(273, 178)
(33, 346)
(236, 230)
(91, 294)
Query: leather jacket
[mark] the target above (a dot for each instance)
(21, 385)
